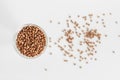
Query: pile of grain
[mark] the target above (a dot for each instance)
(31, 41)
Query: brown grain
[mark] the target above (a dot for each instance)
(65, 60)
(31, 40)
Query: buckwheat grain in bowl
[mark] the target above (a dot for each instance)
(31, 41)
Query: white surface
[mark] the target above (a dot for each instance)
(14, 13)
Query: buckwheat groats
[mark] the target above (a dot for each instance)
(31, 40)
(79, 40)
(81, 37)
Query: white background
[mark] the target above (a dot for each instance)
(14, 13)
